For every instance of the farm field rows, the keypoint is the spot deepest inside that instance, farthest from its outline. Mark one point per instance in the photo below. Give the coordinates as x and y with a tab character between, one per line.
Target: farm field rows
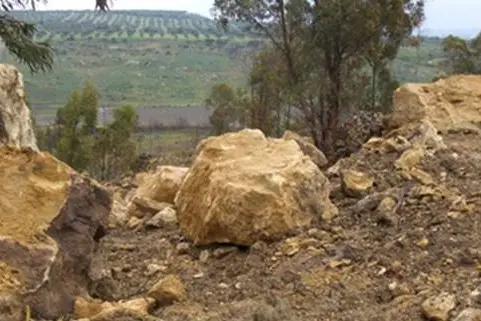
159	58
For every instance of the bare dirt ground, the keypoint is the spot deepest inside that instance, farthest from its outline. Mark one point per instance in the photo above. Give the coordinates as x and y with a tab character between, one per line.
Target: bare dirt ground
361	266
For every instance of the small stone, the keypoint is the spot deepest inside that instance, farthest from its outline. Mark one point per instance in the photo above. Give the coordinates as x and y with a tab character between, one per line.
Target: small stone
154	268
134	222
423	177
317	234
198	275
409	159
475	296
392	286
423	243
183	248
166	218
356	184
204	256
386	210
238	285
469	314
223	285
438	308
258	247
223	251
168	290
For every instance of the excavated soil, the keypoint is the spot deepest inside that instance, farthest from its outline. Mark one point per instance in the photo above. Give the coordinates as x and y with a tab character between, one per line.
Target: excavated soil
360	266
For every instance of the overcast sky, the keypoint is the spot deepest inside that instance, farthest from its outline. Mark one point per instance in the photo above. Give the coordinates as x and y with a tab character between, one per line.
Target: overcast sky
440	14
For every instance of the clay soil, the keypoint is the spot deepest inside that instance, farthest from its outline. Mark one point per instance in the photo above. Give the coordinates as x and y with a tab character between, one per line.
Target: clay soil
360	266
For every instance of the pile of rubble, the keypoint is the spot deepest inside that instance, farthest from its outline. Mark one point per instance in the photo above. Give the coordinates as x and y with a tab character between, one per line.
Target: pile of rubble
260	228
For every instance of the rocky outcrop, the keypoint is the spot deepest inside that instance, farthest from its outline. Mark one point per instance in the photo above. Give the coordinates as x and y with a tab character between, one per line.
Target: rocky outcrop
244	187
450	103
15	122
50	220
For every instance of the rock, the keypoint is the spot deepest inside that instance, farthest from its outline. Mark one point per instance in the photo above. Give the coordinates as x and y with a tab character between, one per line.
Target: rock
118	214
84	308
97	310
438	308
421	176
163	184
445	103
469	314
15	123
243	187
182	248
168	290
142	206
224	251
167	218
387	145
258	310
154	268
356	184
335	169
51	218
409	159
204	256
308	148
386	210
428	137
134	222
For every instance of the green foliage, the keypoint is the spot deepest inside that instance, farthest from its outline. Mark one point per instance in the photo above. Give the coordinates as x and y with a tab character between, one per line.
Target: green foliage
325	46
114	147
18	35
156	70
463	57
267	106
222	100
105	152
77	122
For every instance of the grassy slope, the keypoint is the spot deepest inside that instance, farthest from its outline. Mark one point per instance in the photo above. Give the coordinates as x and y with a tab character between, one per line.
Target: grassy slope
157	58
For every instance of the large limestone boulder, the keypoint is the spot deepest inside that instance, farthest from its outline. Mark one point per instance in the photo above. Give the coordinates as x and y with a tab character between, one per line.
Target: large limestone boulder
243	187
15	122
447	103
50	220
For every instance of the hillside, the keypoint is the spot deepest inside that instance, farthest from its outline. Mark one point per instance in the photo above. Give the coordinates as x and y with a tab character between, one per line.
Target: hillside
158	58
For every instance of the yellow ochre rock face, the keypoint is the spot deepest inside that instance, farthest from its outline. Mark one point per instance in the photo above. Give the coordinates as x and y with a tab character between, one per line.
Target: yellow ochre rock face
446	103
244	187
33	188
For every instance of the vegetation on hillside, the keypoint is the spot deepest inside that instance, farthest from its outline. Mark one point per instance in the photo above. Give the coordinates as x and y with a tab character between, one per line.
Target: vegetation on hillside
172	67
18	35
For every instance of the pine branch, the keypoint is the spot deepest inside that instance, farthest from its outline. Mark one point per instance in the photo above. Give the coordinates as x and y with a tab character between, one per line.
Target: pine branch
18	37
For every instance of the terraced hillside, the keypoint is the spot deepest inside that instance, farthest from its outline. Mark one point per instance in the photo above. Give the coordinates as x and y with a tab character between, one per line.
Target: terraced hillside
158	58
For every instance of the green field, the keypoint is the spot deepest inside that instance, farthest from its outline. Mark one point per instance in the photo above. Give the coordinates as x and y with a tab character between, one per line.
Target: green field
158	58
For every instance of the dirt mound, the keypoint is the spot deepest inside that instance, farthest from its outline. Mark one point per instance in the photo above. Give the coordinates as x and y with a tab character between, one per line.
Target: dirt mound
364	265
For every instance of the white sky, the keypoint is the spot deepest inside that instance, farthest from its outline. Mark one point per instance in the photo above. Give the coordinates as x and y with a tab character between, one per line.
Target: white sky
440	14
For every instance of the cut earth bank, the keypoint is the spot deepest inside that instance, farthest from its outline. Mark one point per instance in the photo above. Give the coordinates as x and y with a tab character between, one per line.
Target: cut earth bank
256	228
